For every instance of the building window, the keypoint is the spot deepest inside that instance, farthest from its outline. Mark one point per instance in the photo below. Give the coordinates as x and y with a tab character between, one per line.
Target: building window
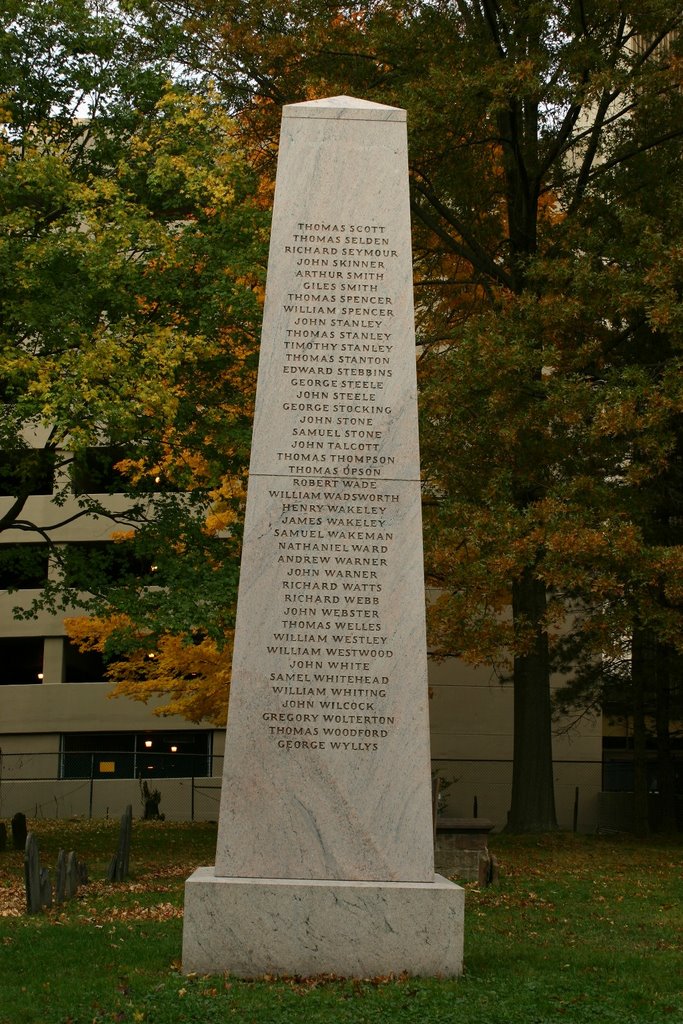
106	755
21	660
93	470
23	566
83	666
149	755
26	471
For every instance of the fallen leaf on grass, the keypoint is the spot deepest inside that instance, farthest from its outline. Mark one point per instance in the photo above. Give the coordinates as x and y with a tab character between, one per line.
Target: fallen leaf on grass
137	912
13	901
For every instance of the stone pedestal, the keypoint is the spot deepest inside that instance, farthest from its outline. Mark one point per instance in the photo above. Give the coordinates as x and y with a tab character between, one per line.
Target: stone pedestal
281	926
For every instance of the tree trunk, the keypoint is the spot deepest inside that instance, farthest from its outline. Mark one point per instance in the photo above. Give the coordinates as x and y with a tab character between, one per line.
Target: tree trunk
666	774
533	797
640	663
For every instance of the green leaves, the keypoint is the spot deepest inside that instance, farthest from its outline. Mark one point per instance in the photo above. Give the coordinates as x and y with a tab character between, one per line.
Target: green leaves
132	255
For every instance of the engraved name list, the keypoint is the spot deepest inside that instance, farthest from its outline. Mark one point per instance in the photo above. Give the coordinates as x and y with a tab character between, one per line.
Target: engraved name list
329	659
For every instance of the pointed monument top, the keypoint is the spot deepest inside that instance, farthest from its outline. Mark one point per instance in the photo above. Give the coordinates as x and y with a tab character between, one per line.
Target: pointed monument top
345	108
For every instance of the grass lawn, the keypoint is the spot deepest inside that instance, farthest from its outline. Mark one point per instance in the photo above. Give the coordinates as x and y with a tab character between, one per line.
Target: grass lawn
580	930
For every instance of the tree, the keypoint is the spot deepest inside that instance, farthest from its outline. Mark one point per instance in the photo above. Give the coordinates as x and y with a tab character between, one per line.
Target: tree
529	124
131	266
536	135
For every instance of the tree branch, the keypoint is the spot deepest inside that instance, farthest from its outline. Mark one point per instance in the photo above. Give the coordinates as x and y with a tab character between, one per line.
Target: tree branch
472	251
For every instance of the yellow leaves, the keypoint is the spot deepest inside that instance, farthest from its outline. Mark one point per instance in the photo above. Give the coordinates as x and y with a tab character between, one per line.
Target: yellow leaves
134	470
194	677
582	542
91	634
100	189
220	522
122	536
189	149
139	147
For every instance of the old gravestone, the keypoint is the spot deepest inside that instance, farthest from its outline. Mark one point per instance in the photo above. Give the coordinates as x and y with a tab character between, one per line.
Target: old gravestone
60	877
120	862
324	861
69	874
19	831
37	878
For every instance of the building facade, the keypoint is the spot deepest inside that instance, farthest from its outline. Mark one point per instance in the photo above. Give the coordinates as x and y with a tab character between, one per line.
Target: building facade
67	749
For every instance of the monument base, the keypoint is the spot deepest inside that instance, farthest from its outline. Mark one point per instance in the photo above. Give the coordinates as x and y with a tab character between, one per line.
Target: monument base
249	927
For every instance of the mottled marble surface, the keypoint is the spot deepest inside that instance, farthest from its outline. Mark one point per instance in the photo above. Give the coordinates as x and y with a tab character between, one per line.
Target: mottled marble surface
325	860
318	784
327	767
250	927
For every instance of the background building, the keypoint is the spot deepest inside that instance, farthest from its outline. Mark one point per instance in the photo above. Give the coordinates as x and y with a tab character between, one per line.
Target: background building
67	749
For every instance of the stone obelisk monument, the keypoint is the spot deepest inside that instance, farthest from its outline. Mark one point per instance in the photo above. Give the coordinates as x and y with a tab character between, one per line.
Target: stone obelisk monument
324	861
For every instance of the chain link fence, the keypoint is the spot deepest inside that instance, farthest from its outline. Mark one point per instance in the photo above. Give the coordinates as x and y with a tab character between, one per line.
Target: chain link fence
482	789
54	784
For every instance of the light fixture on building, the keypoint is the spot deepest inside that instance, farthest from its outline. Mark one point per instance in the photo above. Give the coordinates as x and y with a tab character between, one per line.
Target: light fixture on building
41	676
148	743
174	750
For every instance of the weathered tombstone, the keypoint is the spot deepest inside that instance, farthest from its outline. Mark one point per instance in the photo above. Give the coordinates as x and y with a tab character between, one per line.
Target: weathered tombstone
70	872
60	877
45	888
118	866
82	872
325	860
32	875
19	831
3	837
151	798
111	870
71	879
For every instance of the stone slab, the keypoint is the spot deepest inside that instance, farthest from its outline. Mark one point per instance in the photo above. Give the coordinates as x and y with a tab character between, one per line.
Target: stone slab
252	927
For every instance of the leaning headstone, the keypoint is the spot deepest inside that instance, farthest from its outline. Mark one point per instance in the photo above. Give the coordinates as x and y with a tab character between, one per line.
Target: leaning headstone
32	875
69	874
45	888
325	859
60	877
119	864
71	880
19	831
82	872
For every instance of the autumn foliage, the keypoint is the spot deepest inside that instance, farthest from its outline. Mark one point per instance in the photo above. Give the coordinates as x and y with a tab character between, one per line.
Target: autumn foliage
546	193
